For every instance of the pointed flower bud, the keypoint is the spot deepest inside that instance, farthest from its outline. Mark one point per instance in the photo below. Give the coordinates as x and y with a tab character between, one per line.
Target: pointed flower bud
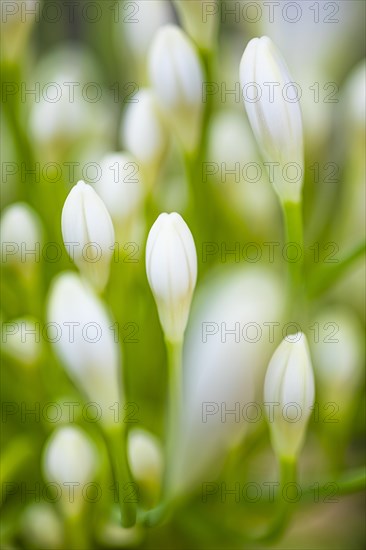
85	343
88	233
120	186
20	230
177	77
200	20
70	456
289	395
272	105
171	266
143	133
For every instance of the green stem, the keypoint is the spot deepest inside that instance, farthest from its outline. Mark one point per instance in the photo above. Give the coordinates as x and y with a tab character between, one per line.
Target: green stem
294	234
287	476
157	515
174	358
325	277
76	536
118	456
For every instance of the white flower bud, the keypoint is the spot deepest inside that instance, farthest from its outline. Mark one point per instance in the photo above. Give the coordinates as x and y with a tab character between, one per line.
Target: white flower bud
143	133
120	186
20	238
85	343
171	267
227	348
21	340
200	20
177	77
88	233
74	113
289	394
145	456
70	456
337	351
274	113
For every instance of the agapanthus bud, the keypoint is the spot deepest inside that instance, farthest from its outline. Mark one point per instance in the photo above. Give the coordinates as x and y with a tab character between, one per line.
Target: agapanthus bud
22	341
70	456
66	118
289	395
272	105
20	230
120	186
177	77
145	457
88	233
200	20
337	351
171	267
143	133
227	348
85	343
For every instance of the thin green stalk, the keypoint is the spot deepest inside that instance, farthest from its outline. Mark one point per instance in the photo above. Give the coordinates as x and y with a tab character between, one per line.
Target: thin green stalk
76	535
294	255
288	476
155	516
174	357
117	448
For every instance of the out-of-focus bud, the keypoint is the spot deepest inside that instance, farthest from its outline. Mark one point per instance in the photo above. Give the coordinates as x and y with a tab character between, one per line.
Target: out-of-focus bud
70	456
17	20
351	136
245	188
171	267
274	114
228	344
21	239
337	351
289	395
86	346
21	340
177	77
72	114
146	459
147	18
200	20
143	134
120	188
88	233
112	535
41	525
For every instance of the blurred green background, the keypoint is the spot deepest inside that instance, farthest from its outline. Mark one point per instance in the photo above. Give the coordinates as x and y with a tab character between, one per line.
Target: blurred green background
38	50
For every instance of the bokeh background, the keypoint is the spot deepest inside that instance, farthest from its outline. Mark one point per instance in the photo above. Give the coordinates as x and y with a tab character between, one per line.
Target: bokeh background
46	147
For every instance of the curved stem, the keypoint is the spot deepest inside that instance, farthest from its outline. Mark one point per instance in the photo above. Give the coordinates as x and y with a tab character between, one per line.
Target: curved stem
116	445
